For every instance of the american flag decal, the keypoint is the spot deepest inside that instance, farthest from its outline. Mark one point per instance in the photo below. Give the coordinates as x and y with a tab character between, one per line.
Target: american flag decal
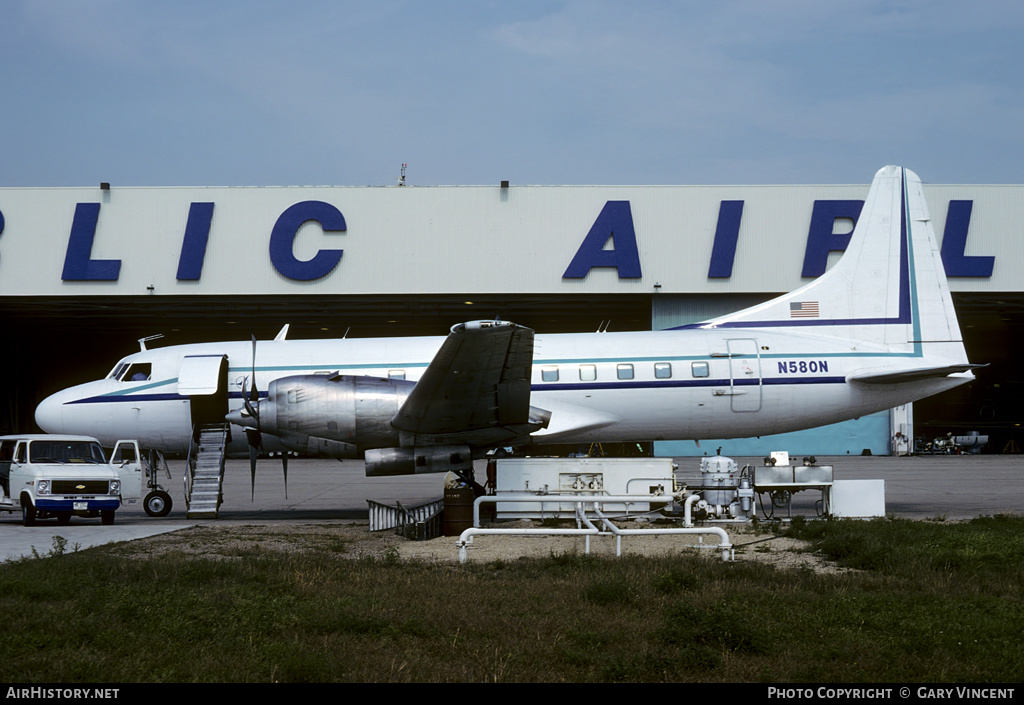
804	309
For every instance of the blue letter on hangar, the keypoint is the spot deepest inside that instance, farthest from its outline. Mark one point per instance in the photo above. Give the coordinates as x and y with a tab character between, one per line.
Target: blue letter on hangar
79	265
78	262
282	240
821	239
615	222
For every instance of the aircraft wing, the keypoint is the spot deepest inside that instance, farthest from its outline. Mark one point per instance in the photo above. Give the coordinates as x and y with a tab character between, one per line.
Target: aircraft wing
901	376
476	388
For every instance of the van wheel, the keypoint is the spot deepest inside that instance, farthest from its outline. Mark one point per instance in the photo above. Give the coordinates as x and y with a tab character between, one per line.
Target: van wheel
157	504
107	517
28	513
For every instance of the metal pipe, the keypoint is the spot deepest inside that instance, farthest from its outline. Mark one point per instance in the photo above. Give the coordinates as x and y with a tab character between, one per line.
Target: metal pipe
724	544
688	509
550	497
660	480
466	538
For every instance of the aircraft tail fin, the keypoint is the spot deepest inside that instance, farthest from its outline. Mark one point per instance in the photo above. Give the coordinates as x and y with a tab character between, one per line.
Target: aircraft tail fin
888	289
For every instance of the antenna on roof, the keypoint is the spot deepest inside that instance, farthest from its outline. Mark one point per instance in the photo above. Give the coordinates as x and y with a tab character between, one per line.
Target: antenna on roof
142	341
401	178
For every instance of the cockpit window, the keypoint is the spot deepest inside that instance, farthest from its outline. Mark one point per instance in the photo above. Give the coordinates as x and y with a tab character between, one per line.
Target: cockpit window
137	372
117	371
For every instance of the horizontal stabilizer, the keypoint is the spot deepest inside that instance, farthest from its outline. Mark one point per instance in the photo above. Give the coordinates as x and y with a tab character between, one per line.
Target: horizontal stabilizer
912	375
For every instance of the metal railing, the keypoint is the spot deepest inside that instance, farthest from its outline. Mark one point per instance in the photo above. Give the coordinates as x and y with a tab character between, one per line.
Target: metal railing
190	469
419	523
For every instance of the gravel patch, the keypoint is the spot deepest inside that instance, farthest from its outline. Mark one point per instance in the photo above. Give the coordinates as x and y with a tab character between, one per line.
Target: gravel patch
238	540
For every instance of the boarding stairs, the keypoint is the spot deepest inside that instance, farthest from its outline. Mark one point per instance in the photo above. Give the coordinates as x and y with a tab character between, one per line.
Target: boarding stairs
205	472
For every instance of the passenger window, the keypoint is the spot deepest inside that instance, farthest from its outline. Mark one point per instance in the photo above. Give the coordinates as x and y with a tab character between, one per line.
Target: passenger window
396	374
588	373
700	369
549	374
625	371
662	370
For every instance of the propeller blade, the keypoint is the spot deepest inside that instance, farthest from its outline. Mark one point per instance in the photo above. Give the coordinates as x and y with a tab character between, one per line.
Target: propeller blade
252	472
250	409
254	392
255	439
284	466
251	399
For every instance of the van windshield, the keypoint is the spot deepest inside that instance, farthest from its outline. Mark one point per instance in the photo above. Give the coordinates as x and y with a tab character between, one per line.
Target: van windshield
65	452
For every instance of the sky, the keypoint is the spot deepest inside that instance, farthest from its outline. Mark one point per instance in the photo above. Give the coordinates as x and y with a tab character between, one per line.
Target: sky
467	92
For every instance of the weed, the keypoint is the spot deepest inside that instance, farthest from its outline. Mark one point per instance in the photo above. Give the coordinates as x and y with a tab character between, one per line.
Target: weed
676	580
722	627
938	601
605	593
583	561
59	546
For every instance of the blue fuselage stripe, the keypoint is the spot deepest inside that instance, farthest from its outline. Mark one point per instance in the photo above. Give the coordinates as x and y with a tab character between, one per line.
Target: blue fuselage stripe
677	384
542	387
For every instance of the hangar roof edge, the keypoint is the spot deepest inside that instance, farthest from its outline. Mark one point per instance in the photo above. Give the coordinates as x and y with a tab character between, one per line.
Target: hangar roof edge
478	186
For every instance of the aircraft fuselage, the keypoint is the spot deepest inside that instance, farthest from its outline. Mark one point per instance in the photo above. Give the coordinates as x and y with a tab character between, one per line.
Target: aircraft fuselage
608	387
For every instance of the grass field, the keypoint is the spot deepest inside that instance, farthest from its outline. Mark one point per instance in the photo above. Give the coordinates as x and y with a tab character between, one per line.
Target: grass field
923	602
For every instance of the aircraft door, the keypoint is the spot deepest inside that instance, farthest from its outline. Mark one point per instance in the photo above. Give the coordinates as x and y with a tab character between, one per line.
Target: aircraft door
744	374
204	380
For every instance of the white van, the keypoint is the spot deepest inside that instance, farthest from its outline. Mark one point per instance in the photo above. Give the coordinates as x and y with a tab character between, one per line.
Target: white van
50	476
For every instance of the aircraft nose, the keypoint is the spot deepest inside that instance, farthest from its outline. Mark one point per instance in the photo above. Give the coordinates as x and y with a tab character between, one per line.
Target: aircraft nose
50	413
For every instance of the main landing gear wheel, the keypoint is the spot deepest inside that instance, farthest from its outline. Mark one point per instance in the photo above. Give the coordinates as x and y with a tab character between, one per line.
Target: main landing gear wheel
157	504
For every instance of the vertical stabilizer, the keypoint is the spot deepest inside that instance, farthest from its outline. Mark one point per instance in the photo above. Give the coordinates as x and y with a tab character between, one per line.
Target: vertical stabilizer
889	288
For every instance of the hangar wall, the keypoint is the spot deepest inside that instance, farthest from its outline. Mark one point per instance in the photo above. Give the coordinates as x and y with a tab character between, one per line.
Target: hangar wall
436	240
177	255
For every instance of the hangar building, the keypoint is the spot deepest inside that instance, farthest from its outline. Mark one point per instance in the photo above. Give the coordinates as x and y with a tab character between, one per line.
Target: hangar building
87	272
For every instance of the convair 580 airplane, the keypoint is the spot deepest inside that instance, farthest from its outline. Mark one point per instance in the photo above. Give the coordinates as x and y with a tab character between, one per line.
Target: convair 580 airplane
876	331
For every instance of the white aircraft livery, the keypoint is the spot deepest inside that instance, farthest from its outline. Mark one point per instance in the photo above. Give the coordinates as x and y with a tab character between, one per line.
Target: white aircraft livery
875	331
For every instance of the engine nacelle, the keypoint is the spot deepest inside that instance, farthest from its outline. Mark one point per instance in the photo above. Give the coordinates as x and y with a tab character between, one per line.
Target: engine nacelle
320	447
335	416
382	462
